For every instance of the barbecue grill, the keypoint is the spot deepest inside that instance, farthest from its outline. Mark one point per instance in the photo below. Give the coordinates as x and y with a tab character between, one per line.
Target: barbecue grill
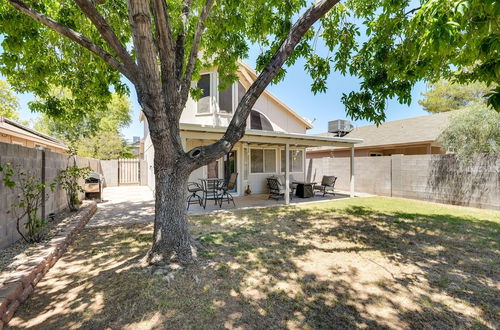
93	186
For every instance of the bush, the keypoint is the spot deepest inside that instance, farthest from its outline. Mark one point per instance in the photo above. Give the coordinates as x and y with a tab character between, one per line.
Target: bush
30	195
68	179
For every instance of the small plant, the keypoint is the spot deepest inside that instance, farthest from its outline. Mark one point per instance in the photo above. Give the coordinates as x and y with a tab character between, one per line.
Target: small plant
30	196
68	179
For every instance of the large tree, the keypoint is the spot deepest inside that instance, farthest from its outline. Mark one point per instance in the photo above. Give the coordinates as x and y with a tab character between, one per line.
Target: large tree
444	95
69	119
9	104
161	45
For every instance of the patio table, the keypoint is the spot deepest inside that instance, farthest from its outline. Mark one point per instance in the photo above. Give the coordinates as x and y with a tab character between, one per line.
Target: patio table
211	188
304	189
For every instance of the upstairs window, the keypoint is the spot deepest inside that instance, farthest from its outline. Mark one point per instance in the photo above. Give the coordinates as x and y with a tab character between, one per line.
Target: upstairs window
204	101
226	100
259	121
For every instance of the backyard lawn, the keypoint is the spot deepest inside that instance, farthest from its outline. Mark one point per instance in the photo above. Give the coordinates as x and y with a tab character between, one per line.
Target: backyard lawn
365	262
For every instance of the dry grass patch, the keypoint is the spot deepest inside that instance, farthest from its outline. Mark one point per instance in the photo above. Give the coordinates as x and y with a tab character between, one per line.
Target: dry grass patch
366	262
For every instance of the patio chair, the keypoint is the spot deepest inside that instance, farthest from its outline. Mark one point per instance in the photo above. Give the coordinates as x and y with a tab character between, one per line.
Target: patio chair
276	189
229	185
210	189
327	185
194	198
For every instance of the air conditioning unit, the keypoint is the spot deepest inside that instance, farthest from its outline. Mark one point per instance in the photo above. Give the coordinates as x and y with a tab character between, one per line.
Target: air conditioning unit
339	127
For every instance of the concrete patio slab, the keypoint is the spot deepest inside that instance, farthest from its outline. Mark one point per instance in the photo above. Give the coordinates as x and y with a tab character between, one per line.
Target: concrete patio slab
134	204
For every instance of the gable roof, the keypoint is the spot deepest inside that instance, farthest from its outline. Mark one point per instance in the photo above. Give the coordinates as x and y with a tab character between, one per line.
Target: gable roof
250	75
13	128
412	130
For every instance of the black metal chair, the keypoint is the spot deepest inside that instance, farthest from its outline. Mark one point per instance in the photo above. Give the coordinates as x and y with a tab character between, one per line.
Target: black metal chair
327	185
276	189
210	190
194	198
226	187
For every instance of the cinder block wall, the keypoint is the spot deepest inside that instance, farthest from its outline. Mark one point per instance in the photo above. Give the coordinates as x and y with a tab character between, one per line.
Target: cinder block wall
110	172
46	166
438	178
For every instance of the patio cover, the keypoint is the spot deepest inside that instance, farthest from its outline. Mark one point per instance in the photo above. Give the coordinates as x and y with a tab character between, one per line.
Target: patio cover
205	132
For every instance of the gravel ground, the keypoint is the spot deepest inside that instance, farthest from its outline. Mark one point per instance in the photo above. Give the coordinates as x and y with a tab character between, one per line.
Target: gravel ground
14	255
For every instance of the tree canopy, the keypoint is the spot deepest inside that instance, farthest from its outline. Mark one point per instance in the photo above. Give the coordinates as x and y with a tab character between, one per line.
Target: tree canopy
160	46
444	96
472	130
93	134
9	104
406	41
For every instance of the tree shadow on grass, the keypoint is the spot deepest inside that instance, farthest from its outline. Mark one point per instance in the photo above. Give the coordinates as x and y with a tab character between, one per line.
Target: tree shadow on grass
282	268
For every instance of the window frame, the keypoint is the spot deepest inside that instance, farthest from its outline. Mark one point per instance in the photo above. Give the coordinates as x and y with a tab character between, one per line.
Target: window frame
210	95
263	161
282	160
233	99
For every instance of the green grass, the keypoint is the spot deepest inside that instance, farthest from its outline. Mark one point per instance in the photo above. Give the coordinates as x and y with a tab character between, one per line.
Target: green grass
365	262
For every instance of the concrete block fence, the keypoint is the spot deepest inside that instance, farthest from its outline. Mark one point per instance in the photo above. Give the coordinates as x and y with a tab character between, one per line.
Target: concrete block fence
22	282
46	165
436	178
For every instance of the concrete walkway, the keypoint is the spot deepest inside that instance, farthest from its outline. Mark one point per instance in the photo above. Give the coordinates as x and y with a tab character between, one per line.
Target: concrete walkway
135	204
124	205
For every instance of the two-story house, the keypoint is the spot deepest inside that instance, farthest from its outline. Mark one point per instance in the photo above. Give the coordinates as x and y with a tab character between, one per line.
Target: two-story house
273	127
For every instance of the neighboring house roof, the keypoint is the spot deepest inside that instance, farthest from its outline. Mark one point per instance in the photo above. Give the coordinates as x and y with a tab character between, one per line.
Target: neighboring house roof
250	75
405	131
8	126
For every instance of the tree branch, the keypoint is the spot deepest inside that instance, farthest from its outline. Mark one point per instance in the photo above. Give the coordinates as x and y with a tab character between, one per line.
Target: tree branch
108	34
236	129
149	88
193	54
181	40
73	35
165	42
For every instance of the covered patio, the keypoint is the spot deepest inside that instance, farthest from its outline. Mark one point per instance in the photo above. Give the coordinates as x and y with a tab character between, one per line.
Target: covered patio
135	204
260	201
262	154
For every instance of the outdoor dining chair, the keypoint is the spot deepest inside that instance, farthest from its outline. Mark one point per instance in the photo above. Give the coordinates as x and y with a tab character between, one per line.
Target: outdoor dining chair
194	198
226	187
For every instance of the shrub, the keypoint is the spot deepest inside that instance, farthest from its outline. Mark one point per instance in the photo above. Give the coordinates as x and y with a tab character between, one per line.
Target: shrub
30	196
68	179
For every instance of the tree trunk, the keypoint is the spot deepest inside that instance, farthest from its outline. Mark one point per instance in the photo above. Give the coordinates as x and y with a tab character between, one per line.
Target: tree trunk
171	236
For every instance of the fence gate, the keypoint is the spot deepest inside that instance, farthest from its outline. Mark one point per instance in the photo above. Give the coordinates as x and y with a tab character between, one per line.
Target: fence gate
129	171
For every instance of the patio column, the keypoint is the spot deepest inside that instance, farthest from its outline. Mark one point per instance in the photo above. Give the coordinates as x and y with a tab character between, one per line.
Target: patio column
352	171
287	174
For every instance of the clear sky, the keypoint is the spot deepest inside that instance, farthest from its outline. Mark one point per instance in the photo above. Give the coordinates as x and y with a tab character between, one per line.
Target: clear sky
295	92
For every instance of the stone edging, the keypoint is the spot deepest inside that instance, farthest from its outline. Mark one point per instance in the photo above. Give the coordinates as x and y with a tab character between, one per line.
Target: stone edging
17	289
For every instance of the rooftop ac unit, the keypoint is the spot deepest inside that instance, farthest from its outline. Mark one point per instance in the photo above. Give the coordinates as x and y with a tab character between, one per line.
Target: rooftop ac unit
339	127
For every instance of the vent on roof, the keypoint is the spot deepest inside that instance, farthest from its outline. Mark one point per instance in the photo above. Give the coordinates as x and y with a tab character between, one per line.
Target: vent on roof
339	127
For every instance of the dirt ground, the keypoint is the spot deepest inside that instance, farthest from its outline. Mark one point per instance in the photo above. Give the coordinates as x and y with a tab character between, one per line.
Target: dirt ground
358	263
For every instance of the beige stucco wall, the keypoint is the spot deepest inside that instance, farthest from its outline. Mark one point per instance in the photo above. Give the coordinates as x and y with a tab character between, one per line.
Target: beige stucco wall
280	117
